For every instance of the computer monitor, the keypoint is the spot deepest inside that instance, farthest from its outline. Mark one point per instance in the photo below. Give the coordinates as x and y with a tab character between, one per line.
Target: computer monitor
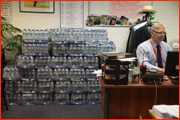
172	63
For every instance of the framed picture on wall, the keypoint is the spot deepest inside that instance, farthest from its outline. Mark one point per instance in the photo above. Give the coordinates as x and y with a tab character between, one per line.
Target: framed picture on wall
37	6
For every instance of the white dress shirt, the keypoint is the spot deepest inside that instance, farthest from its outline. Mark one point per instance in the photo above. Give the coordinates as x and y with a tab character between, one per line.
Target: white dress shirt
146	53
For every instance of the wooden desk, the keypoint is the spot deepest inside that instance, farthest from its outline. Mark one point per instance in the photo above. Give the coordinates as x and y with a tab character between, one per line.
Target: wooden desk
130	101
152	114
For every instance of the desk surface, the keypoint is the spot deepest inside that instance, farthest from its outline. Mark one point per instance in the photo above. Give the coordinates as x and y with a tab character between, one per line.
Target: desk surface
166	84
152	114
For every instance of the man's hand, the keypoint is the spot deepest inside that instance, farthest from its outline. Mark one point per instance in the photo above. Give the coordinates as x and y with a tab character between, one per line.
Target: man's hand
161	70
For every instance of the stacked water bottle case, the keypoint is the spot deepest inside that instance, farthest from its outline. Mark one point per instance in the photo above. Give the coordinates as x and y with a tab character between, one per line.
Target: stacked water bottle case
64	76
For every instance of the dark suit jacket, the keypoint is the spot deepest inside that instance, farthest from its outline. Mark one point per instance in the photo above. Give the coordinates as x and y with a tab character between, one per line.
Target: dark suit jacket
139	36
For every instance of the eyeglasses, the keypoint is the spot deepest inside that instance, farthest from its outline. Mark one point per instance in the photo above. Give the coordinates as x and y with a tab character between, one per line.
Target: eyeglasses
160	33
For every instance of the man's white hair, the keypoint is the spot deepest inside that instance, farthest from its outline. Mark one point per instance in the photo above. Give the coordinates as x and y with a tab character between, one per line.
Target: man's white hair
155	26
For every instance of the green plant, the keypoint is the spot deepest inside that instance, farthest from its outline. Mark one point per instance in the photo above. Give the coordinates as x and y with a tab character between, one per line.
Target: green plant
11	37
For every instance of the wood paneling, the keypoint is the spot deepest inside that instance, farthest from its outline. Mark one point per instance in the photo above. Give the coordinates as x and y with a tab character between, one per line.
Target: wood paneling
128	101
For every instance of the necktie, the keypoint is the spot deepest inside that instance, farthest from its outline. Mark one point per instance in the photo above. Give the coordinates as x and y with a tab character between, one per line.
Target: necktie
159	57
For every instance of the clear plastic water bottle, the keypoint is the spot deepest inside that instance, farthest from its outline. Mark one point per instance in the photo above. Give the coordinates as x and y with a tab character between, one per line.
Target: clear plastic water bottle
114	48
108	48
57	87
24	34
55	73
87	73
45	32
5	72
50	34
50	73
56	38
103	48
94	49
89	36
64	61
33	34
46	48
105	35
36	34
28	32
86	48
85	35
98	48
74	35
11	72
26	48
82	35
53	35
65	35
41	34
42	48
16	72
90	48
66	73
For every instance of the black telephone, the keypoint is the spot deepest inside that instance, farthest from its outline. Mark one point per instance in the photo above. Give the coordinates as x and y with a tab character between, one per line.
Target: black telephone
151	78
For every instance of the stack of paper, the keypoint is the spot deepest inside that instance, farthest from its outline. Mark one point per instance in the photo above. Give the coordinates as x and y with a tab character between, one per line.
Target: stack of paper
128	59
166	111
98	72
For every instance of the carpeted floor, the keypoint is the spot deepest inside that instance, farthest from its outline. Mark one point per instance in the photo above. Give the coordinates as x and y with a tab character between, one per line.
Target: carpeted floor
52	112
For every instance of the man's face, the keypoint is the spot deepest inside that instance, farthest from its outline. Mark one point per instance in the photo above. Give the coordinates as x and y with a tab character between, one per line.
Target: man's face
158	35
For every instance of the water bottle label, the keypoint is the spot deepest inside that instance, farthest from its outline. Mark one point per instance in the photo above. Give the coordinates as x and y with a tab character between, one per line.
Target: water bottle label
82	79
91	55
75	54
30	54
11	103
26	79
91	79
60	42
8	91
28	41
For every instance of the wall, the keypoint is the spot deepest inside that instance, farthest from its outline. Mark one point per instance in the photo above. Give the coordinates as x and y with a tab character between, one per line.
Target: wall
167	14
